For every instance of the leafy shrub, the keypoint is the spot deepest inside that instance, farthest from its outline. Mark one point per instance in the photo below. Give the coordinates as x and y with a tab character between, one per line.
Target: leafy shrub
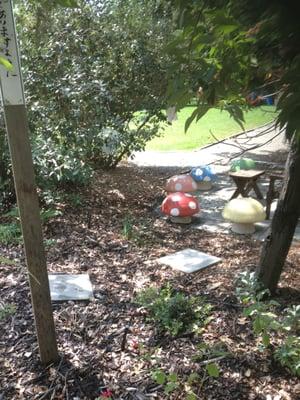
58	166
95	85
94	81
173	311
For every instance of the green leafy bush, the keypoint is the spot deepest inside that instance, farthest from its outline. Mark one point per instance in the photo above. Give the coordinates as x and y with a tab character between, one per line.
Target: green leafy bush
94	80
174	312
58	166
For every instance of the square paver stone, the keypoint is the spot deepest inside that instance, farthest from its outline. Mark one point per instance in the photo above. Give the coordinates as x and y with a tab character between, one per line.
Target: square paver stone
70	287
189	260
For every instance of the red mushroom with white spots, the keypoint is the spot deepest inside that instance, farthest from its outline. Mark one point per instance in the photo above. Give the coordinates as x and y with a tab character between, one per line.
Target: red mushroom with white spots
180	207
181	183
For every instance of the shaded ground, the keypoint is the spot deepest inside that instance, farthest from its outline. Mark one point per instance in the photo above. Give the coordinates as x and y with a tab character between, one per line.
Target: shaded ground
108	343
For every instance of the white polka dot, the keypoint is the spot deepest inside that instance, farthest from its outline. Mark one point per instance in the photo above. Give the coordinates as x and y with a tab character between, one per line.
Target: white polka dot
188	195
199	172
176	198
194	184
192	205
207	179
178	186
174	212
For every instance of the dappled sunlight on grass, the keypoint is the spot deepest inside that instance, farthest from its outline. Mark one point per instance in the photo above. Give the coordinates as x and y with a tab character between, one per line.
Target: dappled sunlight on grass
215	125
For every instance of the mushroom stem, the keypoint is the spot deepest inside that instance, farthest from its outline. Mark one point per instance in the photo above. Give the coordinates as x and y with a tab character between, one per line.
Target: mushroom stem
181	220
204	185
242	228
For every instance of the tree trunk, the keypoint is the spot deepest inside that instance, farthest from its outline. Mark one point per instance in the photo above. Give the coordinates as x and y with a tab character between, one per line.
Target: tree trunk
277	245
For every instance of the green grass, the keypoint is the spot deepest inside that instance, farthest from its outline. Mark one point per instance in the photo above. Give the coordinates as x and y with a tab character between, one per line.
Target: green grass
10	233
199	135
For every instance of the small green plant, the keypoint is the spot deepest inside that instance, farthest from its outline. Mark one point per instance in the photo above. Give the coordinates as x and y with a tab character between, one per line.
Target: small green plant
291	321
6	310
174	312
207	352
10	233
251	294
268	322
10	230
247	287
75	199
127	229
186	384
169	381
47	214
7	261
49	243
288	354
135	230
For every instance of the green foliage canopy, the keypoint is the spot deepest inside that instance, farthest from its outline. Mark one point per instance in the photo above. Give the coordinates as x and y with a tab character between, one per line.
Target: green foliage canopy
231	47
94	80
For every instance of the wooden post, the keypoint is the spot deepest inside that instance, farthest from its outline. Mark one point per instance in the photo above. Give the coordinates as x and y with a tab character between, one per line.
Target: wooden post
17	130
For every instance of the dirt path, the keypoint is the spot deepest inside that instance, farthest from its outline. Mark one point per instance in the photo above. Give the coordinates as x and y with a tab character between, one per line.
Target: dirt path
264	144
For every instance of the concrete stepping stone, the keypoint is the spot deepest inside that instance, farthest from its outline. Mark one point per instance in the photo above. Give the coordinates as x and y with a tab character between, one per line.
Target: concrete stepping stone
70	287
188	260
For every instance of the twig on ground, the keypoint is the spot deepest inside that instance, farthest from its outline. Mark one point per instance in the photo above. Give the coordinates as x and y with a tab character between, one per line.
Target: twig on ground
212	360
125	333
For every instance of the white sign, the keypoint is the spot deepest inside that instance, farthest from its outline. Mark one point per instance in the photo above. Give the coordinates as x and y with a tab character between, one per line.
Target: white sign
11	81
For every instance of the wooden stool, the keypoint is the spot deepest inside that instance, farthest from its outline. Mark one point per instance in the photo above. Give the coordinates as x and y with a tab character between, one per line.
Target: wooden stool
272	193
245	181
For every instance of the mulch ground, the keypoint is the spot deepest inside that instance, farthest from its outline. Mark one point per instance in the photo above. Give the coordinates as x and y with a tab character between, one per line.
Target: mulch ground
108	342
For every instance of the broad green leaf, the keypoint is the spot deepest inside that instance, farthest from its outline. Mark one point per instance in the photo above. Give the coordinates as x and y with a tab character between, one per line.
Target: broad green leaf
191	396
190	120
8	65
257	325
193	377
159	377
213	370
172	377
226	29
170	387
266	339
202	110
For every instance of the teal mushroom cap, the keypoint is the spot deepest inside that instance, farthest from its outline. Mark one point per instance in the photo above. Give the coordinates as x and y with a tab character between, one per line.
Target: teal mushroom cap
242	163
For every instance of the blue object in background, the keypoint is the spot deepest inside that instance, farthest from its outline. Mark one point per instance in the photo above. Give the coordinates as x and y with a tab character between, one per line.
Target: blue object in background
203	174
269	100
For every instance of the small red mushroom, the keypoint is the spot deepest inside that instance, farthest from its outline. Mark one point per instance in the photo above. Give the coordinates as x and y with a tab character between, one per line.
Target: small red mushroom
180	207
181	183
